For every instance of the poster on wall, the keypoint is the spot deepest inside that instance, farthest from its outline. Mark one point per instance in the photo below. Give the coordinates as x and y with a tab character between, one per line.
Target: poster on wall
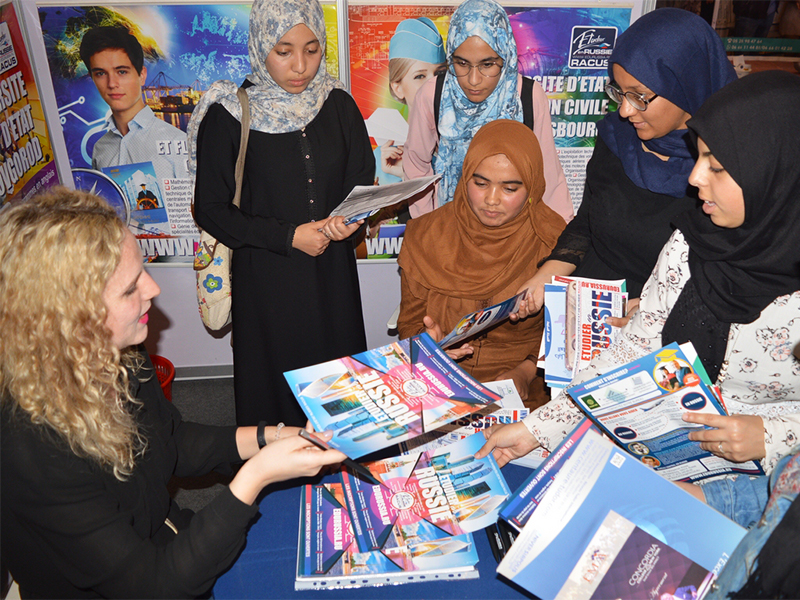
27	164
565	48
186	48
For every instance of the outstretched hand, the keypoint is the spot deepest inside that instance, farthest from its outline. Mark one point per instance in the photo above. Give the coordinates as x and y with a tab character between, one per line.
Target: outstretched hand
287	458
507	442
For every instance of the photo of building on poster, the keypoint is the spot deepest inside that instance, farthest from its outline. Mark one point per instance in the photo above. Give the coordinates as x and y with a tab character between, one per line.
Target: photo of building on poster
27	164
186	48
564	48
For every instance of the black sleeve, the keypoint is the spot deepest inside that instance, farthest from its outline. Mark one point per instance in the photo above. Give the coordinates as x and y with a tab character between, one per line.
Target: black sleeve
361	160
576	239
215	187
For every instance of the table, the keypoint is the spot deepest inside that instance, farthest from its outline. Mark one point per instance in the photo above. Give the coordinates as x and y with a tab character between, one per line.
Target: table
266	567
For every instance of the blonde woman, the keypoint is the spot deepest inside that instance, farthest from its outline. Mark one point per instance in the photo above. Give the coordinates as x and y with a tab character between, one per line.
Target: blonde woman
89	442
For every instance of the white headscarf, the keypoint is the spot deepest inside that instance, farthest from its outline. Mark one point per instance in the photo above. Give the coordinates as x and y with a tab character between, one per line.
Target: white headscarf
272	109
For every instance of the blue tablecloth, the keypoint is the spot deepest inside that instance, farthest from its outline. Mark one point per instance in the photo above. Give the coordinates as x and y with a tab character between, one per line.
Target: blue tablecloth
266	568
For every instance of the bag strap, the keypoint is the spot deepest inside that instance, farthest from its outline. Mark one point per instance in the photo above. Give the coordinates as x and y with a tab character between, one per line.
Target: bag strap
527	102
239	173
437	99
526	95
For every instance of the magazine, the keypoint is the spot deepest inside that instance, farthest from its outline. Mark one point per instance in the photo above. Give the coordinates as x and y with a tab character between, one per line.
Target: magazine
385	396
575	309
519	506
589	303
554	338
445	492
475	322
328	556
366	200
509	409
605	514
640	406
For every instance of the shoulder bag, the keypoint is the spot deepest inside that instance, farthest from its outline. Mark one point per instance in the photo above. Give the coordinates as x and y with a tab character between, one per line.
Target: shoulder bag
212	260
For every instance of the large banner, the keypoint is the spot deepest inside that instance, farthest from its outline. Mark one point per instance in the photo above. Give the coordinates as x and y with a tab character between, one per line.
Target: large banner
27	163
186	48
565	48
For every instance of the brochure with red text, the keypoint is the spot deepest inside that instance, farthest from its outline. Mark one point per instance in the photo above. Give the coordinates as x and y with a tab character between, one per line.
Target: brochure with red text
444	492
328	556
387	395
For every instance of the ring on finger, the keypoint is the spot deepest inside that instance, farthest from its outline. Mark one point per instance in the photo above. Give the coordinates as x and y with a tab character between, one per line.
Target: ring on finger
719	447
325	233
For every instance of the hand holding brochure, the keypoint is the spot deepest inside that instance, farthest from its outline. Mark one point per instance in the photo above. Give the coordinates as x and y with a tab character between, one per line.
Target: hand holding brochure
640	406
365	200
484	318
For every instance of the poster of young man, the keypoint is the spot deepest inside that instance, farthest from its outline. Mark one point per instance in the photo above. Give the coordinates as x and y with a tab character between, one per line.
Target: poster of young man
27	164
127	78
565	48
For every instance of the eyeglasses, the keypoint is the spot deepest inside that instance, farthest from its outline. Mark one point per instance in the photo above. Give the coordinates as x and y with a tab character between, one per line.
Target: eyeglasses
462	68
637	101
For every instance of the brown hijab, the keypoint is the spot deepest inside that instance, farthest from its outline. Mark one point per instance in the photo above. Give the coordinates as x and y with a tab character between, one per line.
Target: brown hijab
455	254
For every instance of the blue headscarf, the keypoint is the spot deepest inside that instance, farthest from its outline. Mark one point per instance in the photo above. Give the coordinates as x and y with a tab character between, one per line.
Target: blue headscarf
680	57
272	109
459	117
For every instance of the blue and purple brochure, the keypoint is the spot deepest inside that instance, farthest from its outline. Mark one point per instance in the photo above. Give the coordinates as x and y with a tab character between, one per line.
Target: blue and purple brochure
560	541
328	557
520	505
444	492
387	395
640	406
475	322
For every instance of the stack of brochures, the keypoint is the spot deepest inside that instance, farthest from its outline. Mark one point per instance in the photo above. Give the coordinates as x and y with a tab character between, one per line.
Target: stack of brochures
574	324
412	521
597	523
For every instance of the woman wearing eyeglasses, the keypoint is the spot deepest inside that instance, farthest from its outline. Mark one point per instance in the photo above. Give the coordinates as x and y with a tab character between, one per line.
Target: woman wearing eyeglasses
663	68
482	84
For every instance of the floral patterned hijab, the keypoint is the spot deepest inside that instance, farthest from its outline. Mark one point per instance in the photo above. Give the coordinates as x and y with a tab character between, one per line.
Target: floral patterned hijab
459	117
272	109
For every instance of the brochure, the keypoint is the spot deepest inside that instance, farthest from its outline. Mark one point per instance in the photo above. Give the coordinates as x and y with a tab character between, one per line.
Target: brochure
594	521
446	492
554	339
589	303
640	406
519	506
475	322
366	200
328	557
384	396
575	309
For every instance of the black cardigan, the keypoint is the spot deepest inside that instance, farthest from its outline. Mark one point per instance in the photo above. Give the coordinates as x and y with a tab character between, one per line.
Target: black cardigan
72	530
620	228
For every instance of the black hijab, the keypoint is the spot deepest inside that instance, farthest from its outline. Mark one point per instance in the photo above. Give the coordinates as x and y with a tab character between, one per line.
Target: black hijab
752	127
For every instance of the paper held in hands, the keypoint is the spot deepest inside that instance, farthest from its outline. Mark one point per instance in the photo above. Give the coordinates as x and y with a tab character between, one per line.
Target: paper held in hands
365	200
476	322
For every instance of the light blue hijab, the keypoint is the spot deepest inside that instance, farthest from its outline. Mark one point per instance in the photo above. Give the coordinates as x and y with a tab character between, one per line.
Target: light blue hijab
459	117
272	109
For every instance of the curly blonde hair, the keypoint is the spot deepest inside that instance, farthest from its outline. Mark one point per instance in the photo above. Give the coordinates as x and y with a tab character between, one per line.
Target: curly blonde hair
58	365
